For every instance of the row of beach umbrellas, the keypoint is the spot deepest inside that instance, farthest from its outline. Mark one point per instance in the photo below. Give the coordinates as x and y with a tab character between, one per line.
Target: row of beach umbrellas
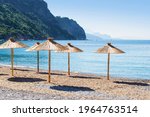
51	45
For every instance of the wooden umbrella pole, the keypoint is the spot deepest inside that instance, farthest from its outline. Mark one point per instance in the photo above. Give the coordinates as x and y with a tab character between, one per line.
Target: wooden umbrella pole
108	66
68	63
49	66
12	61
37	61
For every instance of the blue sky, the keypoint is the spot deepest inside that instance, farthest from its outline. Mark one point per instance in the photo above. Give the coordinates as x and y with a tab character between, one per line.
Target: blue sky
128	19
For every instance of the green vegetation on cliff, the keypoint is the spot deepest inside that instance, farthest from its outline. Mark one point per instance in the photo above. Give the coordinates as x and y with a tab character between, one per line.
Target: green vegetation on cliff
13	23
31	19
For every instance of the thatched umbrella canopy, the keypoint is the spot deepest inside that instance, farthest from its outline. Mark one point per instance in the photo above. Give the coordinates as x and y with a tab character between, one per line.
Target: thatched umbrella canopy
71	49
33	48
109	49
50	45
11	44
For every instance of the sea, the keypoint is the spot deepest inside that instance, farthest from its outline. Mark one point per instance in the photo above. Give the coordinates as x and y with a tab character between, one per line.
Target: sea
133	64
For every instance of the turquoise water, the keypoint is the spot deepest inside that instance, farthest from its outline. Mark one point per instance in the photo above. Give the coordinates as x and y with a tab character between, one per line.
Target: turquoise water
135	63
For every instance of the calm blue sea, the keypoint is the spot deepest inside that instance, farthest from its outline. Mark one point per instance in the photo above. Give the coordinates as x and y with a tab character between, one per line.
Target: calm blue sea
135	63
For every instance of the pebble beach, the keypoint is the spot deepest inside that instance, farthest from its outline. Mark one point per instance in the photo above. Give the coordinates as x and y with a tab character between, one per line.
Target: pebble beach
29	85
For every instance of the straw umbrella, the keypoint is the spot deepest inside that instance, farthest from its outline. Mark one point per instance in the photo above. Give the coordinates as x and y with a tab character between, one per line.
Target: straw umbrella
71	49
12	44
109	49
49	46
33	48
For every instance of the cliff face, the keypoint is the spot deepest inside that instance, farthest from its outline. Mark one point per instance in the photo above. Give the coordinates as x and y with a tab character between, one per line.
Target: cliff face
36	16
72	27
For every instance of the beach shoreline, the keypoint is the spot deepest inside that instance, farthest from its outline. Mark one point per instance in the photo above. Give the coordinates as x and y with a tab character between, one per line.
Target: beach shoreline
79	73
31	85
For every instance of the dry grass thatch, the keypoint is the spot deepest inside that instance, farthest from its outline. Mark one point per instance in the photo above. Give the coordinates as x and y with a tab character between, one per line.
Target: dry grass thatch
11	43
71	49
109	49
50	45
33	48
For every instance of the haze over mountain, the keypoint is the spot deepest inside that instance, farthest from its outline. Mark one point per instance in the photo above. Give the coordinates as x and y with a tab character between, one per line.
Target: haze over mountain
98	37
31	19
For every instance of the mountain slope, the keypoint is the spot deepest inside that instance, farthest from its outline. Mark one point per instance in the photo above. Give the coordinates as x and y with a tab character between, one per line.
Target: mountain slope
13	23
71	27
35	17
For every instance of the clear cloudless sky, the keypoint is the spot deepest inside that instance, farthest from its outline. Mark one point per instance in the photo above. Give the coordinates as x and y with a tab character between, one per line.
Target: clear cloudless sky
128	19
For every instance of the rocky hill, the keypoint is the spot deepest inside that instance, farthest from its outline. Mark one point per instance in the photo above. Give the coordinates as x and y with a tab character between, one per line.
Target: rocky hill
31	19
72	27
